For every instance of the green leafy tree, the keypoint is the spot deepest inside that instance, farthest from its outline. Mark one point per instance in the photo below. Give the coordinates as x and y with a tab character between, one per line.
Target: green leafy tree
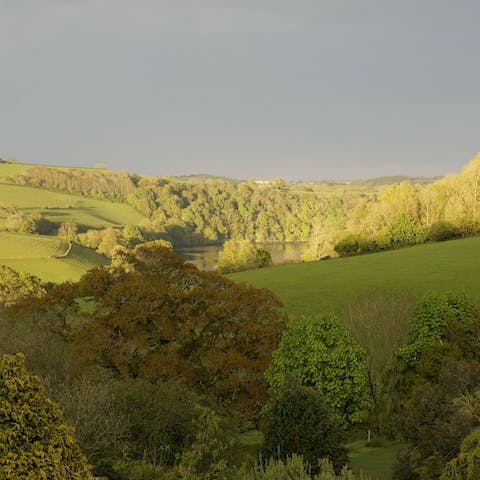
35	442
132	235
429	327
320	352
297	421
441	362
68	230
15	285
241	255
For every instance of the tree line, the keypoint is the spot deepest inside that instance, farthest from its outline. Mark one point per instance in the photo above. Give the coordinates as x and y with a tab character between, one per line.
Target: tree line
335	222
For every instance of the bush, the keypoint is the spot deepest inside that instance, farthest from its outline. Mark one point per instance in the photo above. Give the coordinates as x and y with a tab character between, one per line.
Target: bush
160	419
440	231
348	246
405	231
294	467
298	421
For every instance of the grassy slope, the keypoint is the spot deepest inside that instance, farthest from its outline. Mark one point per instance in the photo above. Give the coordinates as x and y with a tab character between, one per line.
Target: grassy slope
329	285
376	461
17	247
63	207
37	255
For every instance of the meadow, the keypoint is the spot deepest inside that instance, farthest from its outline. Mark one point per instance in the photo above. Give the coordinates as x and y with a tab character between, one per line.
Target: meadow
49	258
64	207
331	285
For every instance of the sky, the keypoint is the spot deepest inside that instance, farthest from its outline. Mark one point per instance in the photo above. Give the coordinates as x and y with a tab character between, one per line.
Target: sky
296	89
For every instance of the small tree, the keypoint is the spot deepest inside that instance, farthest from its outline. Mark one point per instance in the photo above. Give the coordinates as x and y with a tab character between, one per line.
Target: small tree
68	230
15	285
35	442
241	255
298	421
320	352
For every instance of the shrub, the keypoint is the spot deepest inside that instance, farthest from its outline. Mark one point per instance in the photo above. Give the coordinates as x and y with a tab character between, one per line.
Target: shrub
298	421
348	246
440	231
294	467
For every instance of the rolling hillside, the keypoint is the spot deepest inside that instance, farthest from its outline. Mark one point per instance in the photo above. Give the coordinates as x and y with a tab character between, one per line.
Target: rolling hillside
49	258
330	285
65	207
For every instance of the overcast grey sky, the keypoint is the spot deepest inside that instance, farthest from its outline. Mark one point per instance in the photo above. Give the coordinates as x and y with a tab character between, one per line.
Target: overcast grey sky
299	89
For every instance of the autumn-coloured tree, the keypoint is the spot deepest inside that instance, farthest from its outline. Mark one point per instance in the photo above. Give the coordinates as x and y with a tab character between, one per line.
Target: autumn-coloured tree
159	318
35	442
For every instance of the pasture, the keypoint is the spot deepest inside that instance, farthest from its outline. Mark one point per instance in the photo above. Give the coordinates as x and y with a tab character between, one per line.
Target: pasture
63	207
332	285
43	256
16	247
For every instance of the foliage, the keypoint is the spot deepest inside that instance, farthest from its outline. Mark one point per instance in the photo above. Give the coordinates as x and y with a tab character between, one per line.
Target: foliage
204	459
466	466
68	230
320	352
295	468
404	231
441	231
298	421
158	318
348	246
212	211
101	426
35	442
160	419
379	323
15	285
96	183
241	255
430	323
441	363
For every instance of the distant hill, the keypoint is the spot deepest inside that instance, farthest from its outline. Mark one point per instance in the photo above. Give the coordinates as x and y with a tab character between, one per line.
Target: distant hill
204	177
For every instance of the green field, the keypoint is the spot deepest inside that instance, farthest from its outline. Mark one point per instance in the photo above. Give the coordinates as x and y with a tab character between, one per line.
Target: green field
43	256
19	247
314	287
375	461
63	207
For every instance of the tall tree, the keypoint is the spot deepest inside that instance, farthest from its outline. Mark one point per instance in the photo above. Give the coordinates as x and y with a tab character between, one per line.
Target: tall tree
157	317
35	441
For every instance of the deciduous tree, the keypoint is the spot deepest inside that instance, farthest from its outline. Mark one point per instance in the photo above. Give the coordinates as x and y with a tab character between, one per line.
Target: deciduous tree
35	442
